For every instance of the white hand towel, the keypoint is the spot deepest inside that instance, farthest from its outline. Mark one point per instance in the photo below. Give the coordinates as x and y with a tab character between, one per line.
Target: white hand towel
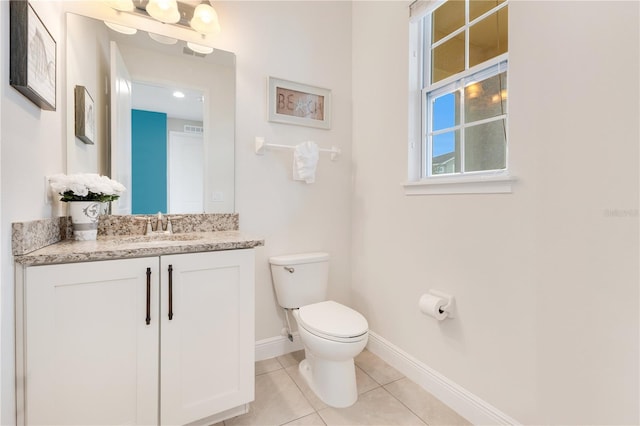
305	160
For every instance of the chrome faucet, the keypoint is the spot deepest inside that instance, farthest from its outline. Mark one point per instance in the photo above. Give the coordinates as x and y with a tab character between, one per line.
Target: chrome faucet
161	229
159	223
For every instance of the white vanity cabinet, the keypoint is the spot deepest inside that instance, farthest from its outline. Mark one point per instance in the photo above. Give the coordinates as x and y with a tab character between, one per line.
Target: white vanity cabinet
88	357
207	343
154	340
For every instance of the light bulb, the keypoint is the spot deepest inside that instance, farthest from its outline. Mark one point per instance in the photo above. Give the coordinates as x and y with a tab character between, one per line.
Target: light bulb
203	12
164	5
205	19
164	11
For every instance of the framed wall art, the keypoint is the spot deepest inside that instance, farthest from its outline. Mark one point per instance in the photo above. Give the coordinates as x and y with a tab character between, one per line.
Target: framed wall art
296	103
85	113
32	69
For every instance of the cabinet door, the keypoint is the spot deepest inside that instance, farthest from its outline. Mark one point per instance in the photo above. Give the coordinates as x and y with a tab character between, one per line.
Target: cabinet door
207	346
90	356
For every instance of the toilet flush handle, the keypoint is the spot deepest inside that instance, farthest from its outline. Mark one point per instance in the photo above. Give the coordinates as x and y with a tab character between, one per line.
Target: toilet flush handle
289	269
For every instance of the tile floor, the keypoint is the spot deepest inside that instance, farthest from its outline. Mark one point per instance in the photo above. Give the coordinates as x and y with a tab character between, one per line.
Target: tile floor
386	397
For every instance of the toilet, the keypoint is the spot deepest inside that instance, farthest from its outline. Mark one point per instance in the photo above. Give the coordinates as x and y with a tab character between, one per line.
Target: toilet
332	334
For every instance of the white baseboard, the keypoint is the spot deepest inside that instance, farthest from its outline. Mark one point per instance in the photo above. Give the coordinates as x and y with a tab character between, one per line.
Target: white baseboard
459	399
277	346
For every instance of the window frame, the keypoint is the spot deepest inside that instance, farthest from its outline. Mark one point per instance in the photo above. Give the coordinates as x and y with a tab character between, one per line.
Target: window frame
421	180
459	85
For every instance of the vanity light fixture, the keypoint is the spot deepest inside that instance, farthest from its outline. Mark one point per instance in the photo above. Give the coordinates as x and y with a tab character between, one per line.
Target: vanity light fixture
198	48
178	94
122	5
164	11
197	15
121	28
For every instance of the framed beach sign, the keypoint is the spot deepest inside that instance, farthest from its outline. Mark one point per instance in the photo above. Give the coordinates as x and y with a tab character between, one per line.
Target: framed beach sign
296	103
85	113
32	68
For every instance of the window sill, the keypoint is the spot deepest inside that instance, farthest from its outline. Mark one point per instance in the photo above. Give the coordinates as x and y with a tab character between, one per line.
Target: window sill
474	184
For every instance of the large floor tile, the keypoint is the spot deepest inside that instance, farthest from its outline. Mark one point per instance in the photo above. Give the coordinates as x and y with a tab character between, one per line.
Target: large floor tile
379	370
267	365
364	384
426	406
292	358
386	397
278	401
310	420
376	407
295	374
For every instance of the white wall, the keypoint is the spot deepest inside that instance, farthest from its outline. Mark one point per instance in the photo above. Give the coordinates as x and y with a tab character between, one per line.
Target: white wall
33	143
546	278
308	42
2	231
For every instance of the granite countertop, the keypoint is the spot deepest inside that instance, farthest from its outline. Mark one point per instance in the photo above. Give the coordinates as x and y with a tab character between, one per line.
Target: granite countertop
123	247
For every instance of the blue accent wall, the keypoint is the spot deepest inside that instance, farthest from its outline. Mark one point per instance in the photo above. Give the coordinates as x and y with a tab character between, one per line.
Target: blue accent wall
148	162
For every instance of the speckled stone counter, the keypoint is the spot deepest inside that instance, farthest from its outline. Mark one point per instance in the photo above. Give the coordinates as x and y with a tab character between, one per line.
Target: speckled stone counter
29	236
123	247
48	241
136	224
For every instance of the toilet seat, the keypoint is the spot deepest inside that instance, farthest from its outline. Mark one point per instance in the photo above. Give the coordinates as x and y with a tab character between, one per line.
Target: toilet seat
333	321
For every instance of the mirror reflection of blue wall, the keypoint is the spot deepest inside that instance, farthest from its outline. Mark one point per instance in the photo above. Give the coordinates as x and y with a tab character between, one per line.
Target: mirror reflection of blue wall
149	162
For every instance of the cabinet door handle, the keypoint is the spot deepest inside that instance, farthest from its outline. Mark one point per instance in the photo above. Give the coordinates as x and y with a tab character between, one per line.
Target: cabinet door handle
148	318
170	292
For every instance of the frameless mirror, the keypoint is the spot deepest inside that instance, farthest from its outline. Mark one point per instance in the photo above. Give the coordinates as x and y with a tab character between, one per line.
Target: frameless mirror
164	118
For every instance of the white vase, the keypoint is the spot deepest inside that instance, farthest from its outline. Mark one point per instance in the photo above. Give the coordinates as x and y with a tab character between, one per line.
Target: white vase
84	218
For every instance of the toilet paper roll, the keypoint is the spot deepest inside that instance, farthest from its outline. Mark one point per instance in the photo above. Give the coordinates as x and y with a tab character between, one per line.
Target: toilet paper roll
432	305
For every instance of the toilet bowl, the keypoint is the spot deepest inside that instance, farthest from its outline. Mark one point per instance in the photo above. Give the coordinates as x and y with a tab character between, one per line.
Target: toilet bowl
328	367
332	334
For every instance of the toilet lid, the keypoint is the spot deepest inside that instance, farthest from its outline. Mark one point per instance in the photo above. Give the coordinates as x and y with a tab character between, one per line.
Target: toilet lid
332	319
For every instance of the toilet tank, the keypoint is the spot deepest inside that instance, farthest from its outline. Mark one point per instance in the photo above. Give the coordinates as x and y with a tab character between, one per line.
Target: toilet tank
300	279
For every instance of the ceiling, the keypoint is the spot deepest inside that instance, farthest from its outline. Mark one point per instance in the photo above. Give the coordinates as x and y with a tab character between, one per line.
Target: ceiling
150	97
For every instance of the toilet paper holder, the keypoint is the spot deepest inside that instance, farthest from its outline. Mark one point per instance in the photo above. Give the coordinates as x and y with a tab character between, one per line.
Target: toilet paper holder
450	306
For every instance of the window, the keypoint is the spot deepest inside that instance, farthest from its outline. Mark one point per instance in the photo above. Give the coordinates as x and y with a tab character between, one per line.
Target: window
462	60
466	124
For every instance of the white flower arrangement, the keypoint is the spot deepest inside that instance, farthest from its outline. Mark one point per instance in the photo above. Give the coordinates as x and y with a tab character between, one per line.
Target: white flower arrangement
86	187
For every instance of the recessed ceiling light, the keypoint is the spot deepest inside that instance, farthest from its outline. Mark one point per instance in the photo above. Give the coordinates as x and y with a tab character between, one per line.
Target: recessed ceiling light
178	94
